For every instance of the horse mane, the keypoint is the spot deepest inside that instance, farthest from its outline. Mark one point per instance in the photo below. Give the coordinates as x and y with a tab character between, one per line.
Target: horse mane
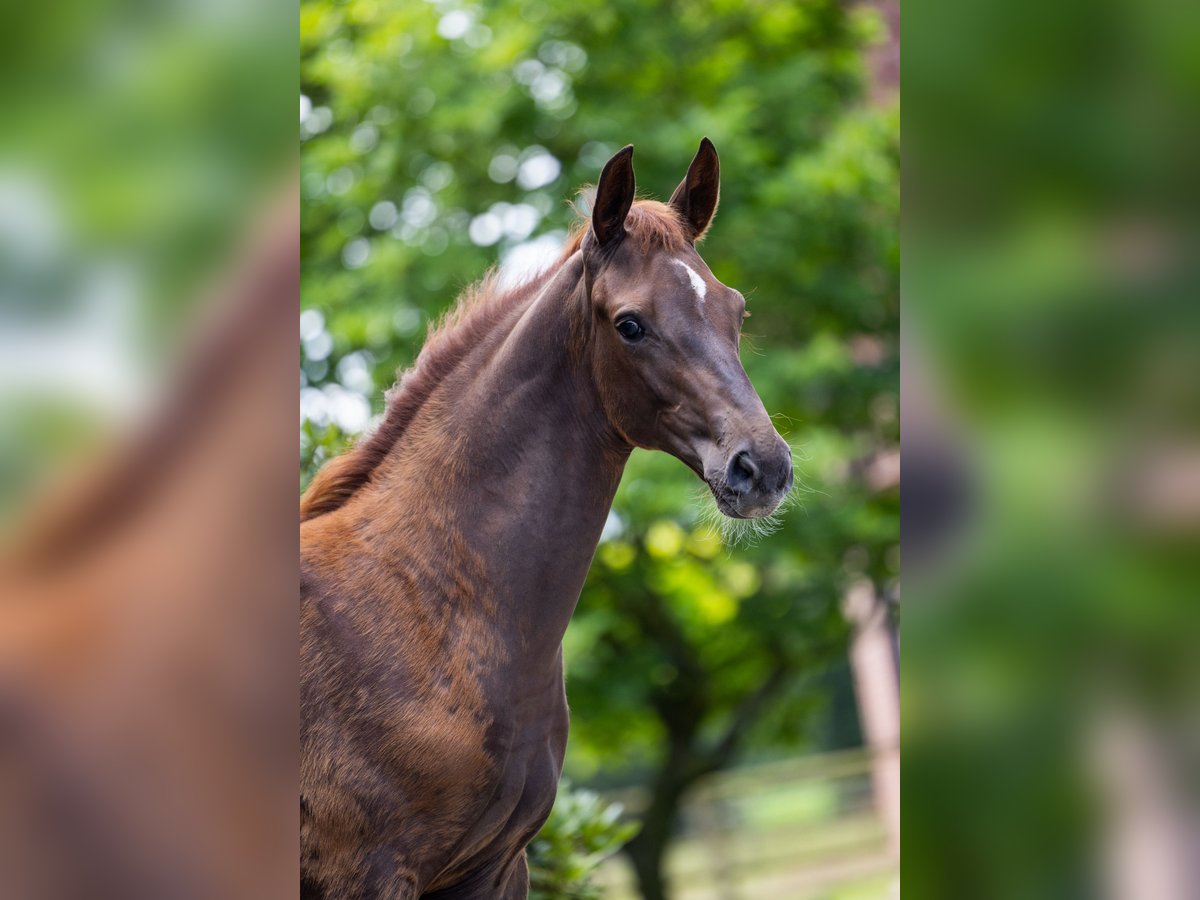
477	310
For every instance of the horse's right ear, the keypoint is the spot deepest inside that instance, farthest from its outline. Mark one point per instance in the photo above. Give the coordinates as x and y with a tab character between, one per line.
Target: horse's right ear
614	196
696	197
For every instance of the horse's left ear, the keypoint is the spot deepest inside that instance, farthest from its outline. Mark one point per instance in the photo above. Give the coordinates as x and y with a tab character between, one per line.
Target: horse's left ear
696	197
614	197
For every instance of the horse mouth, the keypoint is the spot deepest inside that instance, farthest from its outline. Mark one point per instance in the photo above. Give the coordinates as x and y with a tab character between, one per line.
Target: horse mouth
726	507
735	506
726	500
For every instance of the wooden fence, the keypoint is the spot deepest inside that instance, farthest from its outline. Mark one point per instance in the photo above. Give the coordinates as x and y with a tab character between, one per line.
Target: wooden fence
801	829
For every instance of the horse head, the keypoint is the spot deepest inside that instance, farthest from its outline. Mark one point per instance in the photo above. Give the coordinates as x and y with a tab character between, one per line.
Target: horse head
664	339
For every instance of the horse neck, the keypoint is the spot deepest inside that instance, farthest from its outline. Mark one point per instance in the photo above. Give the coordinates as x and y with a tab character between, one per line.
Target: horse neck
497	495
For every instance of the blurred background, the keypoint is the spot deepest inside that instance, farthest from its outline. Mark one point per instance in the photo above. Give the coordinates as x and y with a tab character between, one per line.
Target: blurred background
735	710
141	142
148	298
1052	502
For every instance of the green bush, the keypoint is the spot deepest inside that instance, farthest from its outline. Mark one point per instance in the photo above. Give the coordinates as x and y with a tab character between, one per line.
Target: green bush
582	831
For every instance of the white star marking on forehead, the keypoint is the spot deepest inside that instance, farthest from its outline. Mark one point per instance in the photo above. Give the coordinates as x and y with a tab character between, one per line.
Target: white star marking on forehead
698	284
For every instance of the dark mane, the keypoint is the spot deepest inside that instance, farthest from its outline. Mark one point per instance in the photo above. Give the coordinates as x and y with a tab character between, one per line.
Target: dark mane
650	223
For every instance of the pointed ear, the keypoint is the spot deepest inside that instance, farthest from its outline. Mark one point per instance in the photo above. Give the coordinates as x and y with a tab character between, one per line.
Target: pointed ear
696	197
614	196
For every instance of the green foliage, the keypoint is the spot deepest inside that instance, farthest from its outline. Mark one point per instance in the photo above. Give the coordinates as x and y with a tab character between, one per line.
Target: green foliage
673	624
582	832
317	444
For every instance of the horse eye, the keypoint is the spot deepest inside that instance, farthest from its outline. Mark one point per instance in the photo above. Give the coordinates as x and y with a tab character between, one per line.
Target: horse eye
631	329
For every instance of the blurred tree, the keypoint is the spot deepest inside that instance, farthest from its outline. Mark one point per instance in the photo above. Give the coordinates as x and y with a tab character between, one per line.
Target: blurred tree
683	654
441	138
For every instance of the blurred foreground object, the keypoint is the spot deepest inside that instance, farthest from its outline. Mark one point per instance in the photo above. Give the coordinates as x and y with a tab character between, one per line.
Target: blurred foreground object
1051	429
148	636
147	421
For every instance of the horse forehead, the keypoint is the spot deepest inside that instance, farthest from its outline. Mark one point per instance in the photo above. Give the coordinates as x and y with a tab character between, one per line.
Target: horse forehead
693	278
673	280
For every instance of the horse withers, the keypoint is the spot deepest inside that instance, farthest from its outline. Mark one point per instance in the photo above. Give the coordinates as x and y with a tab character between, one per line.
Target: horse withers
443	556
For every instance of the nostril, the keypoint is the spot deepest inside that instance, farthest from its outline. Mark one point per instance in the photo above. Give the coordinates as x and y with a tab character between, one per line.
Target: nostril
742	472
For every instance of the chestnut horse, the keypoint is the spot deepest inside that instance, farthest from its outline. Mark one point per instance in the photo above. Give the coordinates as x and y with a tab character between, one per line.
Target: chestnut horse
443	556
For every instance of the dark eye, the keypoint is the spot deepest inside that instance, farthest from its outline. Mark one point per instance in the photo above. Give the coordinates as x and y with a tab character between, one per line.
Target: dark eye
631	329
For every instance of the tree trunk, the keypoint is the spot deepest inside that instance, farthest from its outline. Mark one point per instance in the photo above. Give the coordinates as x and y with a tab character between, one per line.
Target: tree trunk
648	847
647	865
682	710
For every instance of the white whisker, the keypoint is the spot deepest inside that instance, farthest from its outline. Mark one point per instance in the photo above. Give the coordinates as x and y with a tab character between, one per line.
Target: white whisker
748	532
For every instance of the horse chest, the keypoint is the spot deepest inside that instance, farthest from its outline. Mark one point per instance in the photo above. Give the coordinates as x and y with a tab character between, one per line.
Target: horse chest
427	750
524	740
521	799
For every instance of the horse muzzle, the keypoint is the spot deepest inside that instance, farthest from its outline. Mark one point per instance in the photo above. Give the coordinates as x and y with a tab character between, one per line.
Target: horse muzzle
754	481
